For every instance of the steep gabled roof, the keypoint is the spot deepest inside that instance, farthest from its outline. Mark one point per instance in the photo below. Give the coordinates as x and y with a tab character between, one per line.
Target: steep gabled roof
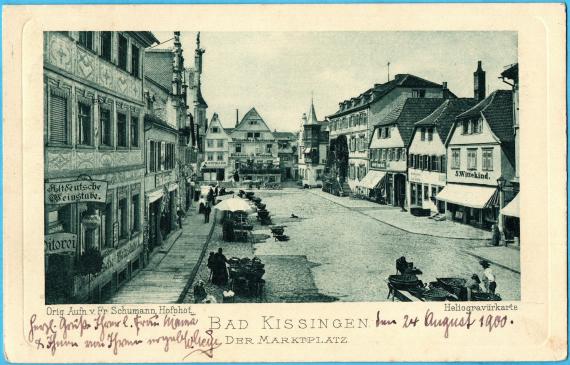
312	117
380	90
251	115
284	135
497	108
158	66
444	116
407	113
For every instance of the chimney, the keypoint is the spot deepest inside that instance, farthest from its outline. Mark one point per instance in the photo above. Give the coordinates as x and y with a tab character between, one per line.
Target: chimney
237	117
444	90
479	83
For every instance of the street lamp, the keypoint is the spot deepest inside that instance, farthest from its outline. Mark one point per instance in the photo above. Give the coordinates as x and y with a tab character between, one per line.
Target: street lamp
501	182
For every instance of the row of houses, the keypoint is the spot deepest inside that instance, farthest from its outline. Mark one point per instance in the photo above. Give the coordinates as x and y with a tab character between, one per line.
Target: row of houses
414	144
131	118
250	151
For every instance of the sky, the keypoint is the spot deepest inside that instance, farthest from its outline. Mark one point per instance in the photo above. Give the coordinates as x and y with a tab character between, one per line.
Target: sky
278	72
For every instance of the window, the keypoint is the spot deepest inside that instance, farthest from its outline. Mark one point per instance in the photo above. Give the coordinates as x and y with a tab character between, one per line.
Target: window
162	156
455	158
430	134
472	159
238	148
418	93
58	125
465	125
388	132
220	143
135	213
434	163
477	126
210	143
413	193
249	134
398	154
383	154
134	131
423	132
85	128
210	157
403	154
256	135
122	52
123	218
442	165
121	130
86	39
220	156
152	157
135	60
215	130
268	148
105	127
426	192
487	159
106	41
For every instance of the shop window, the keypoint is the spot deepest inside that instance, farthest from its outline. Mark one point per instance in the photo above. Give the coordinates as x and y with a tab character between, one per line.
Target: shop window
135	61
210	143
122	52
455	158
220	143
135	213
472	159
134	131
58	118
105	126
487	159
106	45
85	124
413	194
121	130
122	216
86	40
107	225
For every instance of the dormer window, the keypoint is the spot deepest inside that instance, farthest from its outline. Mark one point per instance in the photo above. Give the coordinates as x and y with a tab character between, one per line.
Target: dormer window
418	93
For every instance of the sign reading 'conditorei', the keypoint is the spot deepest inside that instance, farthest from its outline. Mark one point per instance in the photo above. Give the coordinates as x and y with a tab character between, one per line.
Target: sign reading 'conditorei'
75	191
60	243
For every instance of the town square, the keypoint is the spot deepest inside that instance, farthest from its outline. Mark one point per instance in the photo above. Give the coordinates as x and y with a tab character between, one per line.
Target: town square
190	167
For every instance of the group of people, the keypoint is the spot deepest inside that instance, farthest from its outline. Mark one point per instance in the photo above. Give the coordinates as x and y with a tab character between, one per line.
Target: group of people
474	283
213	193
218	276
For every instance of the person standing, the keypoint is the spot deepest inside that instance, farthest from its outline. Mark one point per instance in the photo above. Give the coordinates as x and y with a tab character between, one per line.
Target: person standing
180	214
207	211
488	277
220	276
495	235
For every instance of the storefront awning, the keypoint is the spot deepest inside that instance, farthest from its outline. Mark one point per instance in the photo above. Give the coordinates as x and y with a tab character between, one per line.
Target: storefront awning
470	196
372	179
154	196
512	208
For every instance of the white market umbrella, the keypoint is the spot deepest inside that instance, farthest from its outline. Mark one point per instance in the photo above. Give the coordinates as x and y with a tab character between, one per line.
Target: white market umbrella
233	205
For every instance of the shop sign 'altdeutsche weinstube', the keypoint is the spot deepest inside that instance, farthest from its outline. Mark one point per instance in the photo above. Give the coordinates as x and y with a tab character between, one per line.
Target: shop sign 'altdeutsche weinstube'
60	243
75	191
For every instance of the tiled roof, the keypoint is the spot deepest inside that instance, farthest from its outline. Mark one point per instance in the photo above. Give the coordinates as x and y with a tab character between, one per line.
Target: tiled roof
497	108
284	135
156	121
380	90
228	130
158	66
444	116
409	112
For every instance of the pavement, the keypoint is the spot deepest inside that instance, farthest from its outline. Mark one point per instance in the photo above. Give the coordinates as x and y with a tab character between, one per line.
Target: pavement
172	268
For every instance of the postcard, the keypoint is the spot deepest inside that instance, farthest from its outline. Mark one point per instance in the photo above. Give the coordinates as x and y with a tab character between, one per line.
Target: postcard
284	183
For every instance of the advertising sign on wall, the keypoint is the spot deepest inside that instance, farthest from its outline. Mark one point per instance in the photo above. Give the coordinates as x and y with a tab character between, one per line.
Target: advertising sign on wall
60	243
75	191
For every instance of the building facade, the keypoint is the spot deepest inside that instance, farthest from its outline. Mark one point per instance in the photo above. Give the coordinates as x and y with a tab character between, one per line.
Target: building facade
427	164
351	126
287	147
389	145
215	167
93	131
253	150
313	149
480	152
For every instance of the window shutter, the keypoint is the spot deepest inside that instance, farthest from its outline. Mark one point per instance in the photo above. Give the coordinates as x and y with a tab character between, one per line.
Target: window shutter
58	119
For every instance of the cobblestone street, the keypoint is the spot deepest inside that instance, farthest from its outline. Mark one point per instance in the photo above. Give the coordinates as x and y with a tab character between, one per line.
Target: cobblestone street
340	249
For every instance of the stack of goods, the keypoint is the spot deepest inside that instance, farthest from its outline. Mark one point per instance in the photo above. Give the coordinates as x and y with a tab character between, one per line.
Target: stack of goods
246	275
277	232
264	217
